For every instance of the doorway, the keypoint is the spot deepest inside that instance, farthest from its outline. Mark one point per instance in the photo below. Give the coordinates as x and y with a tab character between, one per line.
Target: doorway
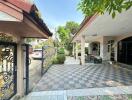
125	51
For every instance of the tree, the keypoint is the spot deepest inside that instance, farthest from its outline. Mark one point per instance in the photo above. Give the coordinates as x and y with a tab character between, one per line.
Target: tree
72	26
64	33
90	7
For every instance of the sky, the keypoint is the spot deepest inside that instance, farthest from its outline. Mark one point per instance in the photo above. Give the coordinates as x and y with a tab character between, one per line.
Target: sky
57	12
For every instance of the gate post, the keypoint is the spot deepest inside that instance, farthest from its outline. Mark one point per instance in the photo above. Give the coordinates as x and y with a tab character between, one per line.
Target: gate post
20	69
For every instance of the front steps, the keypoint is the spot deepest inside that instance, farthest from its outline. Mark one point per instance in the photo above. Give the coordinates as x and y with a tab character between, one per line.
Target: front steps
106	93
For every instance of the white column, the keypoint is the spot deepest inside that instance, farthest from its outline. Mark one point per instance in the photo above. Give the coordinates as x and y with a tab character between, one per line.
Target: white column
104	49
116	50
76	50
90	48
82	50
73	50
20	69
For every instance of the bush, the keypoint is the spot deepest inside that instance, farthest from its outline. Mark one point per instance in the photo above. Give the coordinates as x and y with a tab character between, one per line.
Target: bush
55	61
61	51
59	59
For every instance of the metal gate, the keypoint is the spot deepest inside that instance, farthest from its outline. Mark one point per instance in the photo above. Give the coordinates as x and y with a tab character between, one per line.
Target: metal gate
8	70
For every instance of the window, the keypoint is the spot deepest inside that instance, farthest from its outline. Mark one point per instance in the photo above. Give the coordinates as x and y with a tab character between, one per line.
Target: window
110	45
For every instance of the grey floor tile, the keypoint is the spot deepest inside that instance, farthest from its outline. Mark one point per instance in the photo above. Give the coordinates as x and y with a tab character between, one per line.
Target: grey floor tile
60	77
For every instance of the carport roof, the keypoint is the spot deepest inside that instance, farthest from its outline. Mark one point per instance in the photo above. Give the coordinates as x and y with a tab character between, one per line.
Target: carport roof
87	20
29	11
104	25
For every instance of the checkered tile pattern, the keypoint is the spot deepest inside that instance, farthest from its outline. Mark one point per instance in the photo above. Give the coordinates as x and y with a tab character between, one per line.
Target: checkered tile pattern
63	77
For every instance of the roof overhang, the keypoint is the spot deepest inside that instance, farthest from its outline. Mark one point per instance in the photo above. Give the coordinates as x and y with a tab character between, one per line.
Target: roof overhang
25	29
24	25
21	4
105	25
11	10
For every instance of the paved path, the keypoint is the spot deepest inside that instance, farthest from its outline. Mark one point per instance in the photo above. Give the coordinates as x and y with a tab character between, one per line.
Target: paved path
71	60
90	82
34	73
65	77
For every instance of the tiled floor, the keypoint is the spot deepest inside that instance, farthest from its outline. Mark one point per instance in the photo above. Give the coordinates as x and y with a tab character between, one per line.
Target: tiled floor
107	93
65	77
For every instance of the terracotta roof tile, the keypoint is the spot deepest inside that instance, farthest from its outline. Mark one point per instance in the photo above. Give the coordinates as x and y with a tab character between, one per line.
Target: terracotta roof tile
21	4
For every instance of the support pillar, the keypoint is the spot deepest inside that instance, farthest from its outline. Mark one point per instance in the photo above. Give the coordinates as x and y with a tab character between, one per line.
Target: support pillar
20	69
73	50
76	50
82	50
90	48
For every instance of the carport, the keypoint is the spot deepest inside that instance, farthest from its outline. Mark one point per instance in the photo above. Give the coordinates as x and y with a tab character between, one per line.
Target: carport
18	20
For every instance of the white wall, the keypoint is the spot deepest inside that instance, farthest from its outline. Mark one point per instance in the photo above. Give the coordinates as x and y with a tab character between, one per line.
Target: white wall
103	46
104	54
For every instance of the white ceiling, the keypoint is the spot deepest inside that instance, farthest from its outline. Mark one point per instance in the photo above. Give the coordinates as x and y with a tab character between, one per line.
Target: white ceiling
6	17
104	25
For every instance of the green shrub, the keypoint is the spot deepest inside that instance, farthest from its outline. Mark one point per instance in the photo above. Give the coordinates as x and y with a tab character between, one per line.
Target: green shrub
55	61
61	51
61	58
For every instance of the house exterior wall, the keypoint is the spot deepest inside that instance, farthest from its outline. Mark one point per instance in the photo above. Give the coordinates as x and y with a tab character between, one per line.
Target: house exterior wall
104	54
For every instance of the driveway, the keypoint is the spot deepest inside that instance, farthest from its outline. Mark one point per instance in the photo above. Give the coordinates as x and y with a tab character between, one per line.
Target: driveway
34	73
68	77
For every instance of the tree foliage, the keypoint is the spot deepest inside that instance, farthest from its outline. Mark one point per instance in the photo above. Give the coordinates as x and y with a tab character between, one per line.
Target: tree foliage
65	32
72	26
90	7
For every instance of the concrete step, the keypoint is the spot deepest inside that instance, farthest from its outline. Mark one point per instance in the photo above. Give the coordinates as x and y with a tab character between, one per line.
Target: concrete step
110	93
46	95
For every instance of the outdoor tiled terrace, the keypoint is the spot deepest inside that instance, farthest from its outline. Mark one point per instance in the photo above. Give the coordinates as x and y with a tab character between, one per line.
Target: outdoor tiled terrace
68	77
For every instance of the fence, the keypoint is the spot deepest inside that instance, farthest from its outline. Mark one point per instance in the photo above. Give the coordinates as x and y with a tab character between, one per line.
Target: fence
48	54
